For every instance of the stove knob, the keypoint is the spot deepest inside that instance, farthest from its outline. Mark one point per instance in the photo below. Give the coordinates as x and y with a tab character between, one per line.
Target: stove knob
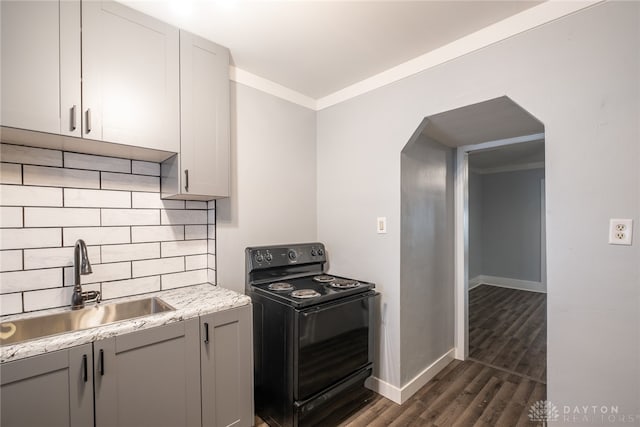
292	255
320	252
268	257
259	258
313	252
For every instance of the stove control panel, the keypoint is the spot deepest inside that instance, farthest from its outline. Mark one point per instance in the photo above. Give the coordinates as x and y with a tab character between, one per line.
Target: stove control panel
278	256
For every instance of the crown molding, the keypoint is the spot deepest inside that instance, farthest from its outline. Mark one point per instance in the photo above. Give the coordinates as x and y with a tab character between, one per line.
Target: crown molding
246	78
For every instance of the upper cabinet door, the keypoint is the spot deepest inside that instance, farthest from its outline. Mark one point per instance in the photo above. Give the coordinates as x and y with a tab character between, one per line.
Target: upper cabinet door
204	103
40	70
130	77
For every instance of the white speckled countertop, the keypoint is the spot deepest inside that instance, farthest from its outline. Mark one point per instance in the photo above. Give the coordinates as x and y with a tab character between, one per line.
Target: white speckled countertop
189	302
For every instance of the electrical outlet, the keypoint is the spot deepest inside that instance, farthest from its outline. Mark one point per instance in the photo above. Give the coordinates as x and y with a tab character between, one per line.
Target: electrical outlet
382	225
620	231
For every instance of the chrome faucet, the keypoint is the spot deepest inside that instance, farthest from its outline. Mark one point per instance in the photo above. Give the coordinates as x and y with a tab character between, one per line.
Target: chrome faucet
81	265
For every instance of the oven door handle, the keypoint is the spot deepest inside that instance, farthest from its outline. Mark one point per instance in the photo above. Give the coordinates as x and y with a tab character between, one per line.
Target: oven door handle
330	306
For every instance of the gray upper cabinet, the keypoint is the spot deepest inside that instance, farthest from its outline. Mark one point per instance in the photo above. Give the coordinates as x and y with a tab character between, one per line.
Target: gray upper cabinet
149	378
201	169
130	77
40	68
227	368
54	389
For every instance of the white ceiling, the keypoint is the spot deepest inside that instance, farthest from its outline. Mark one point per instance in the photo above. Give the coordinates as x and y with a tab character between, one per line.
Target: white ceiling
320	47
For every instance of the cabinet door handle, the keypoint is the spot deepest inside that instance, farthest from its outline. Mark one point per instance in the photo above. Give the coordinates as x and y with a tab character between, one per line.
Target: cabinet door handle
88	120
186	180
73	118
101	362
206	333
85	375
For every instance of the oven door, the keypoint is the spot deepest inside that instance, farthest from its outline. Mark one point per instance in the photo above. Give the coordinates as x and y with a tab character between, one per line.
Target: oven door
333	341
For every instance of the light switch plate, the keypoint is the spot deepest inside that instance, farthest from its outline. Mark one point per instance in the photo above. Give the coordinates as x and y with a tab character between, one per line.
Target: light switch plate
620	231
382	225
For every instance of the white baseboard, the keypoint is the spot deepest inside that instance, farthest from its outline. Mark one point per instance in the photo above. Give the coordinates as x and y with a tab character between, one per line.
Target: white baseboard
475	282
505	282
401	395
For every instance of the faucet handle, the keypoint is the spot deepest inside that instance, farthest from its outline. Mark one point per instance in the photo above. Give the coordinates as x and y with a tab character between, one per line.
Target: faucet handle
92	296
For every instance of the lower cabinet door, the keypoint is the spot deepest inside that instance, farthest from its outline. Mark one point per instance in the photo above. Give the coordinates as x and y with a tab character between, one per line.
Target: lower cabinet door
149	377
227	368
54	389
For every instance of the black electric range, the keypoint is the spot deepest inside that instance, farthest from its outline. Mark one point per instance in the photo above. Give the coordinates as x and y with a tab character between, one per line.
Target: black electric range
313	336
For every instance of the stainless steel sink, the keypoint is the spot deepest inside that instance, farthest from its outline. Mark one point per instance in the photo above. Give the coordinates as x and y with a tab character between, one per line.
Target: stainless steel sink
75	320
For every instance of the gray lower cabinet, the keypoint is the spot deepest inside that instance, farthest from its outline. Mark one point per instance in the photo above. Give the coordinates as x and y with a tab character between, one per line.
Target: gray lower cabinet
149	378
227	368
54	389
196	372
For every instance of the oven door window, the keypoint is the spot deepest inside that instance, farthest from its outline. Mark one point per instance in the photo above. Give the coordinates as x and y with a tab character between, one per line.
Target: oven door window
333	342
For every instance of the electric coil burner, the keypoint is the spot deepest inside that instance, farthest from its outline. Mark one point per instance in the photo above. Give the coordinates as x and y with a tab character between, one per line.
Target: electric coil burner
313	336
344	283
280	286
305	293
323	278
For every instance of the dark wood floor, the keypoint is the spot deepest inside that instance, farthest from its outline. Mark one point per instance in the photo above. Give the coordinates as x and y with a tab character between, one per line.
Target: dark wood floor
508	329
496	387
463	394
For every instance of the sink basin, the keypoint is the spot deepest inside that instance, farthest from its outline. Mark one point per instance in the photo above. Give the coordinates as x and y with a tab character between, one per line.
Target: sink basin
75	320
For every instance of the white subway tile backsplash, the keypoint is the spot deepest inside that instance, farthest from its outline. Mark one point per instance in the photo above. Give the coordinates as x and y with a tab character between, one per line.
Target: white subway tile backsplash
21	238
22	195
62	217
157	233
122	181
130	287
115	253
47	298
56	257
10	173
96	235
10	304
10	260
50	198
194	204
192	232
10	217
101	273
174	216
176	280
97	198
195	262
130	217
96	163
157	266
186	247
153	201
20	281
145	168
30	155
59	177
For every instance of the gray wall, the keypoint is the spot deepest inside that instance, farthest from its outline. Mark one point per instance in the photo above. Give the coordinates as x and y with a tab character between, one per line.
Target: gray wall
504	224
426	257
579	76
475	224
273	188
